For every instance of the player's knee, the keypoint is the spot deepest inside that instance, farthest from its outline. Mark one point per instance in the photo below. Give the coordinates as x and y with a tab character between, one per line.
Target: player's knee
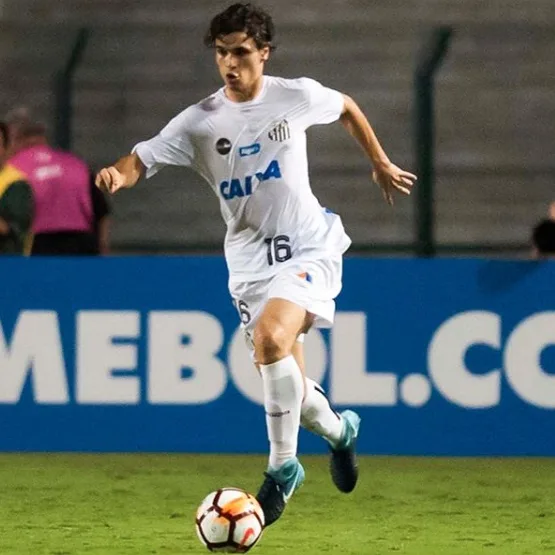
271	343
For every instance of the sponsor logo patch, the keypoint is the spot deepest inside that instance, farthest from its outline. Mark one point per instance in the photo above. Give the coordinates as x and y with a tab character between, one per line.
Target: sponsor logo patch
249	150
223	146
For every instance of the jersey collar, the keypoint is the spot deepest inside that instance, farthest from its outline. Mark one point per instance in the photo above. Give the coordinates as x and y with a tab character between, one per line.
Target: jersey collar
257	99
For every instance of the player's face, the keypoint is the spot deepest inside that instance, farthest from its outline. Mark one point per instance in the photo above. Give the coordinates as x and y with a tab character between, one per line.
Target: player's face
241	64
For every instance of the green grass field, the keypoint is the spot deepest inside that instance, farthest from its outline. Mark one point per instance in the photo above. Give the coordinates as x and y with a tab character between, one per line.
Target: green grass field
144	504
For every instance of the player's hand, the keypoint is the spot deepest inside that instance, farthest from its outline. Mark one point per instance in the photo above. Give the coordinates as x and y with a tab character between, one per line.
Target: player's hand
392	178
110	180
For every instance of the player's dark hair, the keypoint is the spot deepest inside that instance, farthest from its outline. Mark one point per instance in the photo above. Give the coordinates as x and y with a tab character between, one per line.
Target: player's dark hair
4	133
543	237
240	17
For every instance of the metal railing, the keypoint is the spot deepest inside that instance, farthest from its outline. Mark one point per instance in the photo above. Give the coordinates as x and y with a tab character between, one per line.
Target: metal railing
424	137
63	91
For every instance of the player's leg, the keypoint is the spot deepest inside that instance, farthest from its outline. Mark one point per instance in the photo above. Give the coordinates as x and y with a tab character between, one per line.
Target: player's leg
339	430
317	414
274	336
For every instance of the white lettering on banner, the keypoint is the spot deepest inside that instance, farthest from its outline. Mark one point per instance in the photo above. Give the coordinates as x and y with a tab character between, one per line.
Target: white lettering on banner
36	347
350	382
522	360
185	363
98	356
446	355
184	340
245	376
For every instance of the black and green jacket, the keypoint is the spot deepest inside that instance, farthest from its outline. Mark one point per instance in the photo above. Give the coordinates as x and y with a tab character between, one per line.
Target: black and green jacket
16	208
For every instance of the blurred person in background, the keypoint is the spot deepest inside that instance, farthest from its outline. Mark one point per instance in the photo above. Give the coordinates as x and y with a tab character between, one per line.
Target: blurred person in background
16	204
543	236
71	214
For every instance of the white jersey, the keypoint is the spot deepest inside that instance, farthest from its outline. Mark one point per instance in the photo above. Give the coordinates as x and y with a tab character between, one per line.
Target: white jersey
253	155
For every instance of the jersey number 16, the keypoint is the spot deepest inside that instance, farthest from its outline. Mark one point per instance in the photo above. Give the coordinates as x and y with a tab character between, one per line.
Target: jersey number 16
279	249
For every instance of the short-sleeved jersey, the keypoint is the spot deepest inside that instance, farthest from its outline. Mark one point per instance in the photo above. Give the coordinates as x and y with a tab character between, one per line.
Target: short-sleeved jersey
253	155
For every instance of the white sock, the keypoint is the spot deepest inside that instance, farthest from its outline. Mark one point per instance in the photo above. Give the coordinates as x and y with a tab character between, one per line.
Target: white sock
318	416
283	394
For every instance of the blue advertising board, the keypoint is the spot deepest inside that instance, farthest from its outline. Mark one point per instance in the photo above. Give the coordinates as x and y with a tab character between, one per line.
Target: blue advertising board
439	357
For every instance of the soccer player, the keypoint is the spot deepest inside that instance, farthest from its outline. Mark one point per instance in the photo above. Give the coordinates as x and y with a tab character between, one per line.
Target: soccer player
283	250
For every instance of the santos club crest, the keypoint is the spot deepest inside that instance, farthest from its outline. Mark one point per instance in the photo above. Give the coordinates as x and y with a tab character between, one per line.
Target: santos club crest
280	132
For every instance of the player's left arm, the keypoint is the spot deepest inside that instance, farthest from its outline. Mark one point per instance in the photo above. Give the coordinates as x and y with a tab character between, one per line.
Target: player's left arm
386	174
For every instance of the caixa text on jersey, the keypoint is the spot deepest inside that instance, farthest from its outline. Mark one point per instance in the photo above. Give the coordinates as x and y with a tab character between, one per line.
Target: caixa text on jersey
244	187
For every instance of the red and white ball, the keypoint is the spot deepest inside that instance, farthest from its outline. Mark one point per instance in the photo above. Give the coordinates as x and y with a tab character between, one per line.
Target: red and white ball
229	520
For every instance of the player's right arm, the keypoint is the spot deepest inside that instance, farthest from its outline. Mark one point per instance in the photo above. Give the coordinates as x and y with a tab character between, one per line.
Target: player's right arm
171	147
122	175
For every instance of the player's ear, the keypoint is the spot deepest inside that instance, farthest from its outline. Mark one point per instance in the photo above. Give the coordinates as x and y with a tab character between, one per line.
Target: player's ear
265	53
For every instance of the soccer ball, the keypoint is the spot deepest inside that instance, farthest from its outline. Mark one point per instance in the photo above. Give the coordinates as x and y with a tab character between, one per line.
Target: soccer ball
229	520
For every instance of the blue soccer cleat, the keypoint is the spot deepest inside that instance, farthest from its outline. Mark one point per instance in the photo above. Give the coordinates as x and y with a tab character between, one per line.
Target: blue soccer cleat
343	462
278	487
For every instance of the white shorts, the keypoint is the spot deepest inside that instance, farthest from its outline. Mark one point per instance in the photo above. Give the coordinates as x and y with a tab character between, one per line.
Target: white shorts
311	285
